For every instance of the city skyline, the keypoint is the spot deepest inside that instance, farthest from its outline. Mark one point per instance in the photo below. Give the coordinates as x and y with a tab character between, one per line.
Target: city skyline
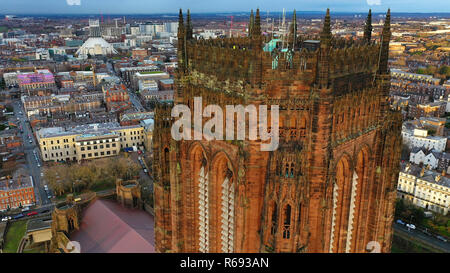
202	6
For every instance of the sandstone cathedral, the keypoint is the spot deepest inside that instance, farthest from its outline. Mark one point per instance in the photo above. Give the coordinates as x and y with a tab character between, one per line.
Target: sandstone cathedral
331	184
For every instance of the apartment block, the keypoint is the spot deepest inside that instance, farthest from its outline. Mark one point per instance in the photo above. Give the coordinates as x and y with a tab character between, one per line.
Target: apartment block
88	141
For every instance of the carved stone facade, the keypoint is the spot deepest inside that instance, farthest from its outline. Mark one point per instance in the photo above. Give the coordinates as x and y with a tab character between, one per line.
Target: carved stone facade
129	193
329	187
66	218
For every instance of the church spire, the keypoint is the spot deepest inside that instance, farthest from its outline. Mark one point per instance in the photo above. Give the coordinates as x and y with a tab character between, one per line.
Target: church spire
384	50
368	27
189	28
256	29
181	39
325	36
251	23
293	31
323	65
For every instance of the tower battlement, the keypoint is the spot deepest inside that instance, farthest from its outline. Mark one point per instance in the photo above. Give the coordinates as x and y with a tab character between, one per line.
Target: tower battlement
243	66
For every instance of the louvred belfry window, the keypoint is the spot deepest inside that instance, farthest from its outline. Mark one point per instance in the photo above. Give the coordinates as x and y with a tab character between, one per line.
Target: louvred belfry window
227	217
203	216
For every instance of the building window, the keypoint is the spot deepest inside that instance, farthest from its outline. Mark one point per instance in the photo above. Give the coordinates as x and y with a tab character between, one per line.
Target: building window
287	222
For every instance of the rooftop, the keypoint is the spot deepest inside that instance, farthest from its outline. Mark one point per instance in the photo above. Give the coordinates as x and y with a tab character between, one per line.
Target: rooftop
107	227
39	224
20	182
85	129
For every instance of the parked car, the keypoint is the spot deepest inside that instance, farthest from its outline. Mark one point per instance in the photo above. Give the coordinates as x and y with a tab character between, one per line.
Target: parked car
400	222
32	213
411	226
18	216
45	211
25	209
441	238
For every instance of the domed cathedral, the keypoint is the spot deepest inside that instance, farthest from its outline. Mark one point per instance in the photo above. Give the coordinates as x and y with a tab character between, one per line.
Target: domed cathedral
328	187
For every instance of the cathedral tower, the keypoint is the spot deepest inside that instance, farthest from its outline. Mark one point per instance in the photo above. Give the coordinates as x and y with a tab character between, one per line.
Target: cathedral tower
330	185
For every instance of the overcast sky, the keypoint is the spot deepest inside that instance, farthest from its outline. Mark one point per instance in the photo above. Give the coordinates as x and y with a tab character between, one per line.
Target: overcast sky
172	6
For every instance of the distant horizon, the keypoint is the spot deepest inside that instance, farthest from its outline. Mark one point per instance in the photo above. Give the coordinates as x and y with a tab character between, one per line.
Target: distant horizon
263	12
138	7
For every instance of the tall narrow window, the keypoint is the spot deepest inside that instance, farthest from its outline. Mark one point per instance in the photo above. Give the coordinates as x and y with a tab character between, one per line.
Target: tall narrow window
227	227
287	222
203	209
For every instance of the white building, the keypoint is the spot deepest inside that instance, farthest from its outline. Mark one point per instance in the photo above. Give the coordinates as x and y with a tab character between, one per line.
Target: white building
42	54
148	85
424	188
421	156
96	46
10	78
419	138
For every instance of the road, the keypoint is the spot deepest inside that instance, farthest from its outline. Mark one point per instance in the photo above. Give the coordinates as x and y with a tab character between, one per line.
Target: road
423	237
133	97
34	166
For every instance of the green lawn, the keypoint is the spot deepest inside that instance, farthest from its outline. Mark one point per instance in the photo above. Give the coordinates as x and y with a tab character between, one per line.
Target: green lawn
15	233
397	249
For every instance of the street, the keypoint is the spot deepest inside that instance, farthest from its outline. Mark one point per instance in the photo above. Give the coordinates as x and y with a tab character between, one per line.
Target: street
133	97
424	237
33	166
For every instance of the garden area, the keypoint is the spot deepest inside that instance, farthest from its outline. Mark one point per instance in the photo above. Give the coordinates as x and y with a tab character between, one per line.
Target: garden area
96	175
14	235
437	223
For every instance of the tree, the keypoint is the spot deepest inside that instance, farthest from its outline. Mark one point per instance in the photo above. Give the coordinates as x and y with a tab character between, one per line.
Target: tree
418	215
406	152
399	208
444	70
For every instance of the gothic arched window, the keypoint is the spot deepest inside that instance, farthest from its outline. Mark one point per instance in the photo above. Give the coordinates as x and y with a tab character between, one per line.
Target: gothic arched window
287	222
